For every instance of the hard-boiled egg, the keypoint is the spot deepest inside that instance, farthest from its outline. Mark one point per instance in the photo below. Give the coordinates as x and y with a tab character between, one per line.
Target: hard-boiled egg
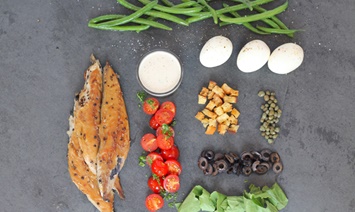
216	51
286	58
253	56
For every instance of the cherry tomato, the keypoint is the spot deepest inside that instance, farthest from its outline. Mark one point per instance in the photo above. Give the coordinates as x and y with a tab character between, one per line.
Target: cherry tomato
170	106
151	157
172	153
153	123
174	167
159	168
156	185
165	142
166	130
164	116
172	183
150	106
154	202
149	142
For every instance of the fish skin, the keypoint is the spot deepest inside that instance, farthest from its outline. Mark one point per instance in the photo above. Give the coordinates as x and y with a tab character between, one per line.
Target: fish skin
88	114
114	134
79	169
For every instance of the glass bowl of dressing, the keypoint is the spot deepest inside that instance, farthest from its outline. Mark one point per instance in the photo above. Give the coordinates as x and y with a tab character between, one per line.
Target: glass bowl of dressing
159	72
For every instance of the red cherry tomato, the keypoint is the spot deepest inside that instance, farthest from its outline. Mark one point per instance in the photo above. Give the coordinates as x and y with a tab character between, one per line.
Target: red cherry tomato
174	167
151	157
156	185
159	168
153	123
154	202
165	142
150	106
149	142
164	116
172	153
170	106
172	183
166	130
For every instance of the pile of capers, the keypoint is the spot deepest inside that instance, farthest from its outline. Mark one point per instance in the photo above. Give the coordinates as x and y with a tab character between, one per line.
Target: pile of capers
270	117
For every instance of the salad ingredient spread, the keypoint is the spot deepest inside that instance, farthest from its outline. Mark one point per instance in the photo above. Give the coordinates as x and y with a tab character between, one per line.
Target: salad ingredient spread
188	12
219	113
286	58
93	133
212	163
253	56
257	200
270	117
216	51
160	73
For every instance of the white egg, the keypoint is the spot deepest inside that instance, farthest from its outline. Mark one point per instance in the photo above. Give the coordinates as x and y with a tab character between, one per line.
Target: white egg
253	56
216	51
286	58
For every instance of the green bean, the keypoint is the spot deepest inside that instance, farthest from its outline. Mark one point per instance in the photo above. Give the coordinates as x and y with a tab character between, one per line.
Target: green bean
132	16
245	2
255	17
173	10
168	3
278	31
198	18
241	6
101	19
136	28
212	11
186	4
156	14
270	23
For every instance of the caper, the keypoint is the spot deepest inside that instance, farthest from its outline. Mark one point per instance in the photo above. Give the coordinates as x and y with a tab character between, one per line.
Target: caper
262	107
263	116
266	137
267	133
267	112
275	100
267	92
273	93
272	97
266	105
266	98
277	129
273	105
273	132
277	120
263	134
269	102
276	108
271	117
275	114
270	141
261	93
279	111
262	128
273	125
275	136
271	112
278	114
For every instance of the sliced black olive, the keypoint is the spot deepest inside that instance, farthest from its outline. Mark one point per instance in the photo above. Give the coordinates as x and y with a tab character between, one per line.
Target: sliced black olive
274	157
277	167
246	170
229	158
215	170
209	155
247	162
262	168
255	164
267	165
246	155
202	163
265	154
203	153
230	170
209	170
218	156
239	170
235	157
256	155
222	165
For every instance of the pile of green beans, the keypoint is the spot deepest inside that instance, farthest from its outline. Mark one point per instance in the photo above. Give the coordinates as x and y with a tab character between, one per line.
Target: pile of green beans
190	11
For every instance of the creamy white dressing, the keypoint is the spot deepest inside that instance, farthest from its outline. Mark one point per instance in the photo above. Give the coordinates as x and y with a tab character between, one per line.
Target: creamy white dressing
160	72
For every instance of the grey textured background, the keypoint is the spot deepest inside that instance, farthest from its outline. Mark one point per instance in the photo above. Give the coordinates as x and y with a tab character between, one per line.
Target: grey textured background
44	50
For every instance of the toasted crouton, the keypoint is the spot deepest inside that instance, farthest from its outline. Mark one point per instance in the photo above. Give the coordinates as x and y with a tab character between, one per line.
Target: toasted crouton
227	107
219	91
230	99
210	105
205	122
219	110
222	118
200	116
233	128
234	93
233	120
210	95
211	85
210	130
218	101
226	88
235	113
222	129
202	100
204	91
209	113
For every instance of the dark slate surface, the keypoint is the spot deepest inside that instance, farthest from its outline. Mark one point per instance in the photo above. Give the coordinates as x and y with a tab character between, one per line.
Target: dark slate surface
45	48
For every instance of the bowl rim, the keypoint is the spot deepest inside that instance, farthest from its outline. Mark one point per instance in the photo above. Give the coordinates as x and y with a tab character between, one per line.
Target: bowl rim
175	87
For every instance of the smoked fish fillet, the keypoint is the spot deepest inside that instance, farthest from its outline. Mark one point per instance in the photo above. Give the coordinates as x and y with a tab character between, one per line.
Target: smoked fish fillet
114	135
88	114
84	139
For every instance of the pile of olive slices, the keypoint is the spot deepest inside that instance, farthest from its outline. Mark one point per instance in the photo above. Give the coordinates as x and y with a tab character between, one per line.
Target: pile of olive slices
212	163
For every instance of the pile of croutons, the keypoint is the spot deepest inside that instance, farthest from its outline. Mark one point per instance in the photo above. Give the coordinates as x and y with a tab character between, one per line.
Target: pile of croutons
219	113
